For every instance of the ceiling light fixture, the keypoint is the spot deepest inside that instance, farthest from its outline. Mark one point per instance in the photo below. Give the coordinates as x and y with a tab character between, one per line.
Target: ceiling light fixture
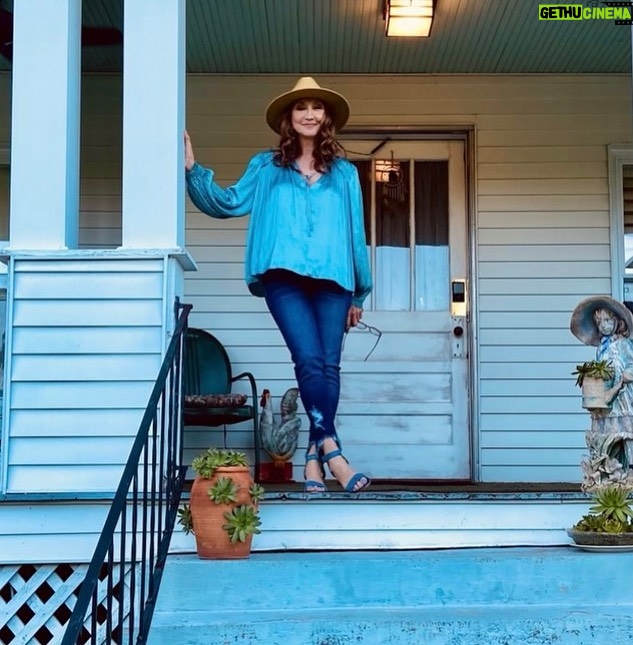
408	18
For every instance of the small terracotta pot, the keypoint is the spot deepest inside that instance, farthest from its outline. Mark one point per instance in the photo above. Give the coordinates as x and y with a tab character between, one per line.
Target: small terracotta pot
212	541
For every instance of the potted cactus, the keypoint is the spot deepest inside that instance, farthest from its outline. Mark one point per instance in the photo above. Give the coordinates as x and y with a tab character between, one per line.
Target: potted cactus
609	522
223	510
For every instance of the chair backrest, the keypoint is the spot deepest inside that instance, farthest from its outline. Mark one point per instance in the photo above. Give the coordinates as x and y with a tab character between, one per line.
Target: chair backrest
207	366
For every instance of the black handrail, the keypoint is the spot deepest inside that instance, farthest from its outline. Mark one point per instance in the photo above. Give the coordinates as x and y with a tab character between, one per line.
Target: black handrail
123	578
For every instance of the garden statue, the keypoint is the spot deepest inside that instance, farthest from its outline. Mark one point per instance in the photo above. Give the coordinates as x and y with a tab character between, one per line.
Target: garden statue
607	324
279	439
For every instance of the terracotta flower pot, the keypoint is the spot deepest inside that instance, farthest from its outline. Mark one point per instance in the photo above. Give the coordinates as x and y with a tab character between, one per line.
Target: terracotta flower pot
212	541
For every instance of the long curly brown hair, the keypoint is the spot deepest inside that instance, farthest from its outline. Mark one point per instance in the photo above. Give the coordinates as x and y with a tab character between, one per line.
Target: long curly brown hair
326	147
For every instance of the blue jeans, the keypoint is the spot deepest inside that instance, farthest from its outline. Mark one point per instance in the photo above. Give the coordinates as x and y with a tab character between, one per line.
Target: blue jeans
311	315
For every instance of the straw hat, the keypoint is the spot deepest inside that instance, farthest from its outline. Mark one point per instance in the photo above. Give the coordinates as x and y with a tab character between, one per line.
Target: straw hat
583	325
307	88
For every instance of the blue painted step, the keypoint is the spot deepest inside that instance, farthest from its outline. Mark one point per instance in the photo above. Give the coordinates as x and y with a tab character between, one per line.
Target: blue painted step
447	597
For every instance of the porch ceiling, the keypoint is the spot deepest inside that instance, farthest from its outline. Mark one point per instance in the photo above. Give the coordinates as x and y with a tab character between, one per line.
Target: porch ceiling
347	36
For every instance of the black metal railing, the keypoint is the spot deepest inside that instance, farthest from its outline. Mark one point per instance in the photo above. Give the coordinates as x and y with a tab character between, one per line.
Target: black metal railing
123	578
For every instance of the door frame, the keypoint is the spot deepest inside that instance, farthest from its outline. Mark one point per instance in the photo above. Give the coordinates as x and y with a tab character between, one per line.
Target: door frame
468	134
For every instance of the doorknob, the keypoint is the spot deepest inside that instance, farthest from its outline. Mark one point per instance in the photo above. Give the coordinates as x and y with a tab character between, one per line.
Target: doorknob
458	341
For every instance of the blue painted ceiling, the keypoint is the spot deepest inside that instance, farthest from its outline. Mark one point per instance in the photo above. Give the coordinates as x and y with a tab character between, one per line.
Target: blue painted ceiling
347	36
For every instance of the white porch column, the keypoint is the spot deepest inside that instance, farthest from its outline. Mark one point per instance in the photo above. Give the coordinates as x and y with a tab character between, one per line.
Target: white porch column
45	124
153	124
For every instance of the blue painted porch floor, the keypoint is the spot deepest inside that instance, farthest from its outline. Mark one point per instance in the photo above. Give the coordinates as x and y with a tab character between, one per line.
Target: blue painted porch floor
492	596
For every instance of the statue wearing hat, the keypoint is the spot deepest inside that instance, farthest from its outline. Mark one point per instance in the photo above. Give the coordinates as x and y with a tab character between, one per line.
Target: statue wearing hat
607	324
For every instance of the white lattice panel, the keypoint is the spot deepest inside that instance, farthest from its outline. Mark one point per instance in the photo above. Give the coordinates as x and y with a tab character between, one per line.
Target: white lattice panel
36	603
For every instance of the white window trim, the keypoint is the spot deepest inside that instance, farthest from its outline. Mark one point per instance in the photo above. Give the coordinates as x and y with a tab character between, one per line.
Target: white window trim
619	156
5	161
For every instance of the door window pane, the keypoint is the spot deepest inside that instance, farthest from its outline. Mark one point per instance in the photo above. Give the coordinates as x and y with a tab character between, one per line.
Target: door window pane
407	221
431	236
393	239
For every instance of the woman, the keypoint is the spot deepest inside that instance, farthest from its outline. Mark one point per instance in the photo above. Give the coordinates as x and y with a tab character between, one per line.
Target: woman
305	252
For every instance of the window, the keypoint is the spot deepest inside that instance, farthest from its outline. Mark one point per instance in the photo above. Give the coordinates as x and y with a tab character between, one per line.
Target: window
621	206
406	224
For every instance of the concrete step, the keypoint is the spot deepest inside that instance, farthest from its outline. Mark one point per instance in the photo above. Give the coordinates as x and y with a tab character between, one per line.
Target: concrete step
453	597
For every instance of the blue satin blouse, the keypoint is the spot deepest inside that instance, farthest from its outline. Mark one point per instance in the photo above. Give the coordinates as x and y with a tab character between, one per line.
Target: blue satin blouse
316	230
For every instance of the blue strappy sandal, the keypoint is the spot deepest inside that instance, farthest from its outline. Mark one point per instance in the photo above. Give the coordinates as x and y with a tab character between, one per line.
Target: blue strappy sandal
312	485
356	477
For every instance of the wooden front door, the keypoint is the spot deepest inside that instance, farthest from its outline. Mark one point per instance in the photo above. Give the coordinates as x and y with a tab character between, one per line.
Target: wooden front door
404	411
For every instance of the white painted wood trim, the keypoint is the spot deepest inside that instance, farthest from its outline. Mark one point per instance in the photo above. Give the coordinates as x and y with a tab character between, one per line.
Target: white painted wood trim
73	528
45	152
472	288
153	123
6	396
183	256
619	155
392	525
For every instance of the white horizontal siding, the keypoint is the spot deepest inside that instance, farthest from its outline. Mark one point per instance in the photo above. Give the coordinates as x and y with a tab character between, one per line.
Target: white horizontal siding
543	230
27	530
85	346
111	422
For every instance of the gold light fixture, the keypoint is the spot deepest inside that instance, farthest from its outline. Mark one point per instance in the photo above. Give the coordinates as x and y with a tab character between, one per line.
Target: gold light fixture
408	18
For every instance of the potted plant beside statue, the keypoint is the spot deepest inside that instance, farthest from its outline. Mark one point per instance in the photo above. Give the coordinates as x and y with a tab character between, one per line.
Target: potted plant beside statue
223	510
609	522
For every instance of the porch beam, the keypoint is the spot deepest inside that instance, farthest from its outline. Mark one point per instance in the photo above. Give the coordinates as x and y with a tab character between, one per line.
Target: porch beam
45	119
153	124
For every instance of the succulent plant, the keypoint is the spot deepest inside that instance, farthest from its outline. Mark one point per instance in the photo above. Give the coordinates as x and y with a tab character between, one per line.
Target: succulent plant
185	519
241	522
223	491
611	511
612	525
591	523
596	369
207	463
257	493
613	502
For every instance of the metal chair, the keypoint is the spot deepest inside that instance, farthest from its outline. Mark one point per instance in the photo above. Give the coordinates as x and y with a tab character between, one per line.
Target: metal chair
207	376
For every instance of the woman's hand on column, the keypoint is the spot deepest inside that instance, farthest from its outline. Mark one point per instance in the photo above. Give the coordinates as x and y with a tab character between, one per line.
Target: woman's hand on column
353	316
189	158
